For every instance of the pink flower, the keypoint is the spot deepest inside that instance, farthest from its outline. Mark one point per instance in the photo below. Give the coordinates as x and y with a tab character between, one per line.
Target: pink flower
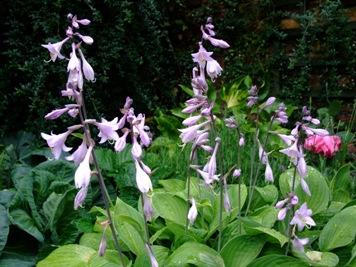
57	143
325	145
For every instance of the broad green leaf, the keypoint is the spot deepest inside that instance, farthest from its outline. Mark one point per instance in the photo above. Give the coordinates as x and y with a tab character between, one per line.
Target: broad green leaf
265	216
123	209
274	260
4	227
264	195
75	256
320	193
316	258
339	231
241	250
6	197
16	259
170	207
340	184
53	208
196	254
161	253
131	237
353	254
21	219
275	235
233	192
172	185
91	240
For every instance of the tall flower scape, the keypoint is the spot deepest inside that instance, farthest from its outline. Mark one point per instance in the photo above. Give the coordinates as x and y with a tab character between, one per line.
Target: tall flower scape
201	133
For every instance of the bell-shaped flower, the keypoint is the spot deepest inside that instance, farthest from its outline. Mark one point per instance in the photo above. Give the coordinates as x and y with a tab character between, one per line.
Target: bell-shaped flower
213	69
74	63
121	141
143	181
78	155
83	172
262	154
287	139
202	56
269	101
302	218
86	39
208	179
241	141
305	186
191	120
56	142
230	123
55	49
147	207
102	246
107	130
193	212
292	151
302	167
268	173
144	137
299	243
87	69
80	197
236	173
54	114
210	167
136	149
189	134
73	112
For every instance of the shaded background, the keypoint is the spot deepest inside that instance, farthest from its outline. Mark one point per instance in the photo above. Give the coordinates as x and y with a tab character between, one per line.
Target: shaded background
300	50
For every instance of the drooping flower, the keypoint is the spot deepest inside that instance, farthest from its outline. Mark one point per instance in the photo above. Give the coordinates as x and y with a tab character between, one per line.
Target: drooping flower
213	69
54	114
56	142
299	243
107	130
193	212
302	217
189	134
83	172
286	204
253	96
143	181
202	56
153	260
281	114
121	141
80	197
147	207
236	173
136	149
78	155
268	173
74	63
55	49
87	69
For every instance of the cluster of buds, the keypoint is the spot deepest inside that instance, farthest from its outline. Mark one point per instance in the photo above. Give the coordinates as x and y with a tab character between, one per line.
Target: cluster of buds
199	107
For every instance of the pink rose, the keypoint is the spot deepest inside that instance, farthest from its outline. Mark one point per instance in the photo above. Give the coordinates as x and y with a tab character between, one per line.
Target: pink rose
325	145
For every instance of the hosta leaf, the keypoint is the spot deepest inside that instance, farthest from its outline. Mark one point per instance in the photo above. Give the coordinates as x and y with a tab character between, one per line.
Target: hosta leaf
196	254
277	260
339	231
26	223
241	250
340	184
131	237
4	227
172	185
320	193
170	207
75	256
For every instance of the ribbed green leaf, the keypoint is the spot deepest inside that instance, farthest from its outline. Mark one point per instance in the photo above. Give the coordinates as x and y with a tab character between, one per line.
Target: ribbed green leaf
241	250
339	231
196	254
320	193
170	207
277	260
26	223
131	237
172	185
4	227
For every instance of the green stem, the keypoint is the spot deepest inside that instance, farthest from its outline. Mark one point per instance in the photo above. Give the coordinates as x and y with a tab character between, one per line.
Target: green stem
290	213
220	213
258	167
104	192
145	220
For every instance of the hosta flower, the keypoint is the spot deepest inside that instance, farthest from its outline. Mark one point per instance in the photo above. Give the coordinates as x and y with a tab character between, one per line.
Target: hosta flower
102	245
87	69
286	204
55	49
230	123
147	207
253	97
80	197
107	130
74	63
83	172
236	173
136	149
208	179
121	141
302	218
213	69
210	167
86	39
299	243
202	56
192	213
78	155
144	137
191	120
189	134
143	181
153	260
268	173
54	114
57	143
242	141
281	114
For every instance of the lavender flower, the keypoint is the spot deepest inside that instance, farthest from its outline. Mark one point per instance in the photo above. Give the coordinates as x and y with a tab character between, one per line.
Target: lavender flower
83	172
253	97
193	212
80	197
55	49
78	155
147	207
299	243
57	143
153	260
107	130
302	217
143	181
281	114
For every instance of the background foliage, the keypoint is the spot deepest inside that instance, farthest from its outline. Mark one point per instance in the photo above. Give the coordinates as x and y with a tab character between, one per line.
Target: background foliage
142	49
